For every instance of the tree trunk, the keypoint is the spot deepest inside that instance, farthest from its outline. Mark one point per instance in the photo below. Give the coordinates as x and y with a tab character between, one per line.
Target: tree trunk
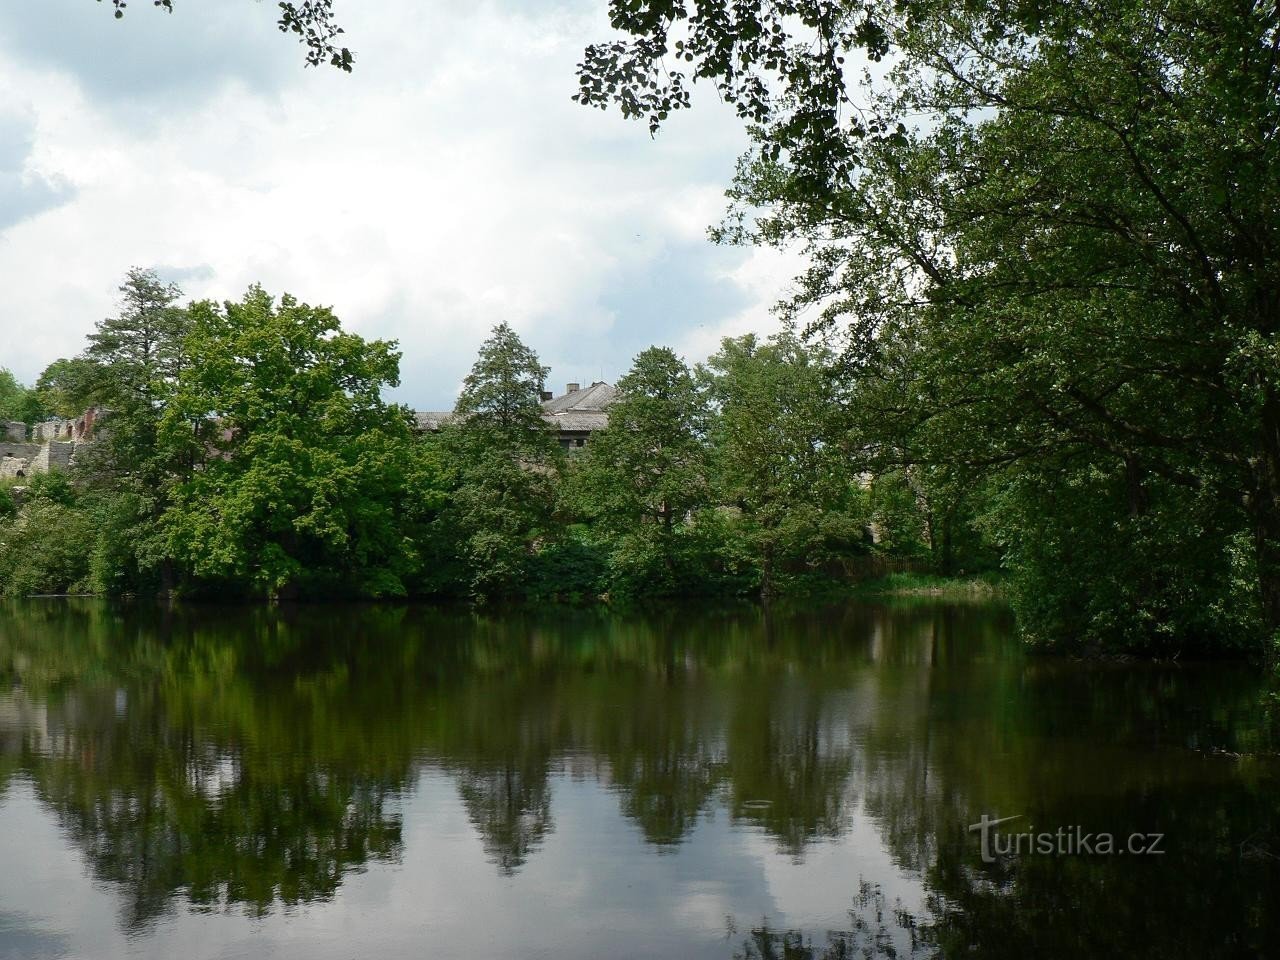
1266	517
766	572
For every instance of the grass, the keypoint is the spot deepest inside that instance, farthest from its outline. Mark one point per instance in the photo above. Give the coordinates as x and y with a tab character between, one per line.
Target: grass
979	587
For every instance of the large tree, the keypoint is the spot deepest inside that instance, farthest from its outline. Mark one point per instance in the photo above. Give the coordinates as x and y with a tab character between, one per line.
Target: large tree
506	461
1048	234
778	449
647	472
303	467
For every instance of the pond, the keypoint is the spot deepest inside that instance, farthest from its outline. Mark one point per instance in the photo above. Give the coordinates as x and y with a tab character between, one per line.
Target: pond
381	781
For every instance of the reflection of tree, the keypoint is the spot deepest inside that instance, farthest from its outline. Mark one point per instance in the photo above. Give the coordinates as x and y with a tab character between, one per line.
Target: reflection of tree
786	771
510	807
875	932
659	736
166	813
252	758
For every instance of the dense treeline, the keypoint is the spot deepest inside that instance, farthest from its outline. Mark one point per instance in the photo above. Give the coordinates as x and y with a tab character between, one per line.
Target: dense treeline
247	451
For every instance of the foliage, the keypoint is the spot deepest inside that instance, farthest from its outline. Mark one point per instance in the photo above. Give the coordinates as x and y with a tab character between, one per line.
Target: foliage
644	477
302	465
311	20
45	547
16	401
571	568
506	463
67	387
1044	237
778	451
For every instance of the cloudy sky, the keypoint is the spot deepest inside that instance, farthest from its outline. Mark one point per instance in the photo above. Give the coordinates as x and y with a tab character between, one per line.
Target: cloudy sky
446	185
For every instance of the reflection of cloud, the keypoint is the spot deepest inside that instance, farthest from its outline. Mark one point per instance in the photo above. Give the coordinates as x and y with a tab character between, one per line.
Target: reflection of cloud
20	939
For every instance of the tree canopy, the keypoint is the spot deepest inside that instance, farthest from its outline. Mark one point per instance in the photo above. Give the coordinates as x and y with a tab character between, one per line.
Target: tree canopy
302	465
1044	238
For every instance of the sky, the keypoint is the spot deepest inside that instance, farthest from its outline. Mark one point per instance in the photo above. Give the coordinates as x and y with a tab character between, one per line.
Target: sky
448	184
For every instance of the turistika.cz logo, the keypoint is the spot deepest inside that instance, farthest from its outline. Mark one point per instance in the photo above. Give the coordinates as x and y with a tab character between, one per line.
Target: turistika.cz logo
1064	842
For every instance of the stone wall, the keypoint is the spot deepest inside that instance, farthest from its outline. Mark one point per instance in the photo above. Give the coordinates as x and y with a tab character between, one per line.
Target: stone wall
16	457
26	459
81	428
14	431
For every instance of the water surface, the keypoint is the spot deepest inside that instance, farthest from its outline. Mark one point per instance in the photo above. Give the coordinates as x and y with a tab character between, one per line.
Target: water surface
402	782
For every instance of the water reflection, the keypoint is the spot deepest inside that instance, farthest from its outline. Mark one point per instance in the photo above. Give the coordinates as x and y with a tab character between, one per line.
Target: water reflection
255	760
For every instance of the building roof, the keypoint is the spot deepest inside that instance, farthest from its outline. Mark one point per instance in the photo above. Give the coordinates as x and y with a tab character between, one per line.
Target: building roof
588	420
432	420
578	410
595	398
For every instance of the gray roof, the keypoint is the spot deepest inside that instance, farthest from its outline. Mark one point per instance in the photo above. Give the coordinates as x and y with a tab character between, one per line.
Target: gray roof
431	420
578	420
595	398
581	410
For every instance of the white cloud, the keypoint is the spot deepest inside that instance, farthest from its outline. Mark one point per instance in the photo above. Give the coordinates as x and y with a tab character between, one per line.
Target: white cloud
447	184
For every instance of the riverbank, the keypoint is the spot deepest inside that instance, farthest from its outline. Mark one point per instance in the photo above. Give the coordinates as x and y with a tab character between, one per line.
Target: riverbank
986	586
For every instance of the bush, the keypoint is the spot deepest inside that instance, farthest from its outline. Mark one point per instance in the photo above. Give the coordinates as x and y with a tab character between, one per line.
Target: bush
46	549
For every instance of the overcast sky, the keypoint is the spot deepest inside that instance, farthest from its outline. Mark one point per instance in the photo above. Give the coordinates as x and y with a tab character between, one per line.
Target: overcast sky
446	185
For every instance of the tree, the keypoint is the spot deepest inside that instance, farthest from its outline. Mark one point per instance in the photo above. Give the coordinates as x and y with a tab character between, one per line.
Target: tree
143	344
1047	234
16	401
129	368
67	387
507	461
302	464
311	20
777	450
646	473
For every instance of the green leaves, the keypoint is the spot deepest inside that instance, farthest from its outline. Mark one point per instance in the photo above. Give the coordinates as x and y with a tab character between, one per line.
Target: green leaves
1044	238
506	460
301	466
644	478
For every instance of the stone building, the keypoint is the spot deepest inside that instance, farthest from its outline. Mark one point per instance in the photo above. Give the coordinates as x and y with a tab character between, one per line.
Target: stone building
52	446
579	413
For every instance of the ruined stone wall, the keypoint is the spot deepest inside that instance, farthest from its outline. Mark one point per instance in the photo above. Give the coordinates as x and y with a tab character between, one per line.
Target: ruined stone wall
27	459
52	447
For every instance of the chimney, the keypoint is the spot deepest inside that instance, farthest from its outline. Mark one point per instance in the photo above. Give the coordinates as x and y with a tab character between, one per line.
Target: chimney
546	394
571	388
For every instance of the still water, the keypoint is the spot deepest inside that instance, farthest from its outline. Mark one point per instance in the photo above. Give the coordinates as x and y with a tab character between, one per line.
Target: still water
402	782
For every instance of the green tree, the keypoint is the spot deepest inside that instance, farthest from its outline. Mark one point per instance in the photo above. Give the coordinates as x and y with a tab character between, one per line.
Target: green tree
129	368
506	461
143	344
67	387
1047	234
46	546
303	466
646	474
16	401
779	456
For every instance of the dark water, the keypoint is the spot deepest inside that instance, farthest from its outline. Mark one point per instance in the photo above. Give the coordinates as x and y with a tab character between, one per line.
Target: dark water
375	782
